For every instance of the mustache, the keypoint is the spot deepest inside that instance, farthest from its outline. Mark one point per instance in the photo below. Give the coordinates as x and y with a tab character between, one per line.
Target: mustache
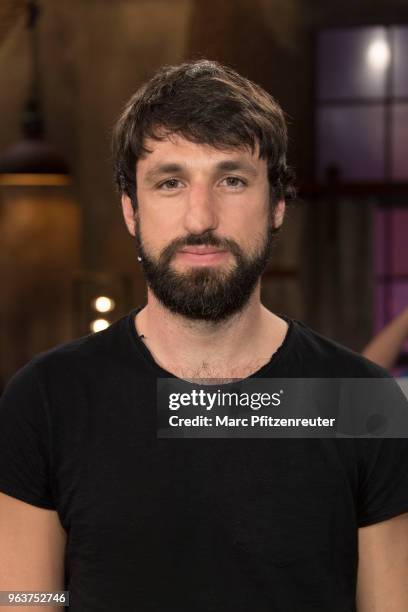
206	238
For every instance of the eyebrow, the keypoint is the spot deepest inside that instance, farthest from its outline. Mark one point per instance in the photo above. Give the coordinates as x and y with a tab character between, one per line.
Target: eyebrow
227	165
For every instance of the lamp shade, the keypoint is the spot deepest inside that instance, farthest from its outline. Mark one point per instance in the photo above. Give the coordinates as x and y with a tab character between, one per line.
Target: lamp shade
32	161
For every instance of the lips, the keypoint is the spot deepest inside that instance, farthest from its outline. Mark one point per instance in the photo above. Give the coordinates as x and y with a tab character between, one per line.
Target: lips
201	250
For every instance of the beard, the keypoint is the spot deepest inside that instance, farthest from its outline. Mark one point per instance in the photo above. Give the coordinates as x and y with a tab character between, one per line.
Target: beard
207	293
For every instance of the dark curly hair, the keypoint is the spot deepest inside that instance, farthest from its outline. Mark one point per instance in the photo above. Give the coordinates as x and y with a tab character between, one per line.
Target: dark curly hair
206	103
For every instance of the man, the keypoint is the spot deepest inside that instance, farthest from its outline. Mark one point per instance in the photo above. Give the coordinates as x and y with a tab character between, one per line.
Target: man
94	501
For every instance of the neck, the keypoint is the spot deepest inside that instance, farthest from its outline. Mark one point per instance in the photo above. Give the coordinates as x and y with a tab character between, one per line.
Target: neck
235	347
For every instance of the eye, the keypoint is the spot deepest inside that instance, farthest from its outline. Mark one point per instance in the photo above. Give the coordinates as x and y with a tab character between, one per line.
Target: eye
169	184
234	181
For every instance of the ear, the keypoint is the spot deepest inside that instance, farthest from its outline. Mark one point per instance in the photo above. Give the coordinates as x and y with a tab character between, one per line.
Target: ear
128	214
279	214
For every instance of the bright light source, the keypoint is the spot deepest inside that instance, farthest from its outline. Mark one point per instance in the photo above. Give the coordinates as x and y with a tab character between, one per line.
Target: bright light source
103	304
99	325
378	54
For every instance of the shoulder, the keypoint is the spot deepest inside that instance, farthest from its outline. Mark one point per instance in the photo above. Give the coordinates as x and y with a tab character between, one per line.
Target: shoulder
323	356
92	352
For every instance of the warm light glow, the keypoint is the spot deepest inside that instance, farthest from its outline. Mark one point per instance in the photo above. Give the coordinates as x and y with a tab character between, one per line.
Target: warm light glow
27	180
378	54
99	324
103	304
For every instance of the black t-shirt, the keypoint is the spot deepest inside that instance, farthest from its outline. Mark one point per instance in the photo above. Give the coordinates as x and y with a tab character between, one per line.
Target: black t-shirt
192	525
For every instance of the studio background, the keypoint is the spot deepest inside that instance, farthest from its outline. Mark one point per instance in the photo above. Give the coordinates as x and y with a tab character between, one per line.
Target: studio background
64	245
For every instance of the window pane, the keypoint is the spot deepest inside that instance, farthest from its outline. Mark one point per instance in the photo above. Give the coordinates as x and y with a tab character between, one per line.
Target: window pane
352	139
352	63
399	142
400	241
399	297
400	72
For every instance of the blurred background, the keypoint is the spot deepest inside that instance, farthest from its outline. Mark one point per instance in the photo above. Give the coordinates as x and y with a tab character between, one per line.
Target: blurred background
338	69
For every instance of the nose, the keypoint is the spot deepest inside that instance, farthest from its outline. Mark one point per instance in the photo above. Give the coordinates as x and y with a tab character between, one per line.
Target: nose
201	212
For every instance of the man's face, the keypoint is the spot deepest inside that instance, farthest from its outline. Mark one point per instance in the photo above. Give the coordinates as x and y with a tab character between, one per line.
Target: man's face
203	225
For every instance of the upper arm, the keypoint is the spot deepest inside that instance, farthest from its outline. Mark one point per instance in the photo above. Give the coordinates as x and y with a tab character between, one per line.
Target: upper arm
382	584
32	548
32	539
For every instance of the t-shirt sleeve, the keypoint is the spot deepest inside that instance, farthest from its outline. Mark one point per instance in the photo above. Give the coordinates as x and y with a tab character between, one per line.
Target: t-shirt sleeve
383	468
25	442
